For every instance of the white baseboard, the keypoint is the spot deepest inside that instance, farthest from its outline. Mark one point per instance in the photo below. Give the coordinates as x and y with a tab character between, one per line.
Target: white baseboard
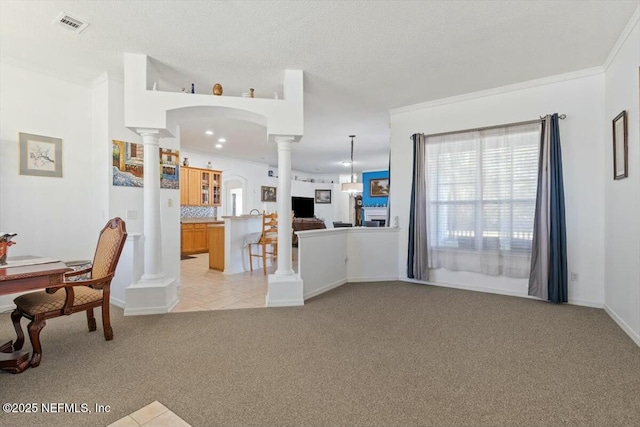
147	310
635	337
7	308
325	288
372	279
285	303
474	288
586	303
117	302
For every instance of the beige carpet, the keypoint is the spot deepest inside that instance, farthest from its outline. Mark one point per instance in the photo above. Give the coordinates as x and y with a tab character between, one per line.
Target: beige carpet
367	354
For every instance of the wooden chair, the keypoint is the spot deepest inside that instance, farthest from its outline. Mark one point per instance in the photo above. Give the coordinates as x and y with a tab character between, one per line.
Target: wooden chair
269	237
80	295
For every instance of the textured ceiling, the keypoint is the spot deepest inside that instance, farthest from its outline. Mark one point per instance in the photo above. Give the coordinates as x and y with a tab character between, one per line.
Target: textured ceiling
360	58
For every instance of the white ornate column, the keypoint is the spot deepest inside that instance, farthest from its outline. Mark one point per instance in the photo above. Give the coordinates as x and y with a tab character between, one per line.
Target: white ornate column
152	229
285	287
153	292
284	206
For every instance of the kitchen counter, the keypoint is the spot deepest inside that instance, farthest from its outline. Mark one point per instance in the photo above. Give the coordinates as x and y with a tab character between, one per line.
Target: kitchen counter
200	220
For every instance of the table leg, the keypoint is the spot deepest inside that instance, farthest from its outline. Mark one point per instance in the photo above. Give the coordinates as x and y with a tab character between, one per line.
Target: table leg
13	361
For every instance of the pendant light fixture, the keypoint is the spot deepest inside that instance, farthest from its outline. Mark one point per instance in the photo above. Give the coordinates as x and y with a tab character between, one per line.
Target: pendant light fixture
352	187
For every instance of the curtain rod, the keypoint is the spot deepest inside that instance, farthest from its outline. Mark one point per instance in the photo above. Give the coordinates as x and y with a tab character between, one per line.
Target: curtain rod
528	122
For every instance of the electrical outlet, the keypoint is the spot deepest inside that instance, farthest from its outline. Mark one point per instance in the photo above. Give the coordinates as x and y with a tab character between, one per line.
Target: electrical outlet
132	214
574	277
170	203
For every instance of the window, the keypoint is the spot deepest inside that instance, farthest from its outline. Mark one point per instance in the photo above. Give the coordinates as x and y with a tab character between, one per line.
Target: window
481	194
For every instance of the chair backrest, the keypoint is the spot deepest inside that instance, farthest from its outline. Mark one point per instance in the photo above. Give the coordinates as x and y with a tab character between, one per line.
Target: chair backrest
110	244
372	223
270	225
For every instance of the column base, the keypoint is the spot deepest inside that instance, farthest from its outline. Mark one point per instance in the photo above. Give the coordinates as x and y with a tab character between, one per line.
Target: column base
151	297
285	291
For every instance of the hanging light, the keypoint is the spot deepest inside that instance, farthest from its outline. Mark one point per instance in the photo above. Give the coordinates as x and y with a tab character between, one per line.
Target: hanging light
352	187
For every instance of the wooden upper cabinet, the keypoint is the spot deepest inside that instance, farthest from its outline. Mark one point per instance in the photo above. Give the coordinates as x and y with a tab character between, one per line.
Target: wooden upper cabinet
184	186
200	187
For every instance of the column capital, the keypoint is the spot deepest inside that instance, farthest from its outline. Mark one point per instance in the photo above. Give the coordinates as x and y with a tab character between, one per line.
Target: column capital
284	138
147	131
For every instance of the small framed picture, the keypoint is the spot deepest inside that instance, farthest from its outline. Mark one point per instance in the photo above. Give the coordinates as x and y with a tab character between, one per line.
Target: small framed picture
620	148
40	155
379	187
268	194
323	196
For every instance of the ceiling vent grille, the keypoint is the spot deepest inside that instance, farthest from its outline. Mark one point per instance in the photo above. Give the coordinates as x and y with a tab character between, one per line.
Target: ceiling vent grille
70	23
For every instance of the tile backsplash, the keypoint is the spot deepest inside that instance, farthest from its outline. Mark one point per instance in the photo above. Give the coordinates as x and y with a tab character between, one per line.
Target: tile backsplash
198	212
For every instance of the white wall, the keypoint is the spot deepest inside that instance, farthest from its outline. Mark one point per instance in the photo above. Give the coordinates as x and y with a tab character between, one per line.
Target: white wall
52	216
581	97
622	197
257	175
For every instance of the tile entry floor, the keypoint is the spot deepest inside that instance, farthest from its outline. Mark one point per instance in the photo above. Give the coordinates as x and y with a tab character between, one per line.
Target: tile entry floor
153	415
205	289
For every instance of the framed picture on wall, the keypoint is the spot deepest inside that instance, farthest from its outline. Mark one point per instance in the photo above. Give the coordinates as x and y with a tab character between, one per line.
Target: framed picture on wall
40	155
620	147
379	187
323	196
268	194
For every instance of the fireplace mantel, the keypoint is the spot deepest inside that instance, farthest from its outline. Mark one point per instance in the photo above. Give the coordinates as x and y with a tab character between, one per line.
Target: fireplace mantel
374	213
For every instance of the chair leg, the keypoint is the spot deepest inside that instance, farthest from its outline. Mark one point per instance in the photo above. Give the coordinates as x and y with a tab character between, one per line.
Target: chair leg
34	328
106	320
16	316
264	259
91	320
250	258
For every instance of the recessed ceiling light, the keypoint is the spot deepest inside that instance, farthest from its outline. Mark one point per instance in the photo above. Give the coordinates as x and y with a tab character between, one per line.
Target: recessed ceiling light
209	132
222	140
346	164
218	146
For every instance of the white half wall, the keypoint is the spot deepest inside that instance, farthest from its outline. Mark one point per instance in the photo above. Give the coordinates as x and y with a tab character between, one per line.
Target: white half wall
622	197
581	97
331	257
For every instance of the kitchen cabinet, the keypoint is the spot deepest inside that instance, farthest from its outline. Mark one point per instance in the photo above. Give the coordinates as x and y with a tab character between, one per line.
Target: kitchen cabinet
194	238
216	247
200	187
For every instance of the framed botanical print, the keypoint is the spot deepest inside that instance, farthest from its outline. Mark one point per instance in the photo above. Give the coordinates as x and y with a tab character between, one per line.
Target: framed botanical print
40	155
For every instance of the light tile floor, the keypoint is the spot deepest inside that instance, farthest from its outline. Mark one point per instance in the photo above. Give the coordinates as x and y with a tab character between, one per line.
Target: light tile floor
205	289
153	415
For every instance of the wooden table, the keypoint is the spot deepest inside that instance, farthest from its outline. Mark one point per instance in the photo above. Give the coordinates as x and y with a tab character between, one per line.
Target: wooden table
21	279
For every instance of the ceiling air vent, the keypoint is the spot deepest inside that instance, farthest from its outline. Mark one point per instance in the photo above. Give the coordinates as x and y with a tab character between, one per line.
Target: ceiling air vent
70	23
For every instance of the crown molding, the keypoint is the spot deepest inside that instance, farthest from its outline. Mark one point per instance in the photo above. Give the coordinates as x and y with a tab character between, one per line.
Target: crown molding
628	29
500	90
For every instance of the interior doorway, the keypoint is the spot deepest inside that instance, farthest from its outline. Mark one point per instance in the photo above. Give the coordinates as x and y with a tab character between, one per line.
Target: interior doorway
234	202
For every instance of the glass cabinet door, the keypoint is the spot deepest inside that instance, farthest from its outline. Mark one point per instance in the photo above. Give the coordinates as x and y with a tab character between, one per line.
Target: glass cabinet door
216	189
205	188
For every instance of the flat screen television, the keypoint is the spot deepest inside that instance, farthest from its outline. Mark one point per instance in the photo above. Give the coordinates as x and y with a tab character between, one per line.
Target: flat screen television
303	207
